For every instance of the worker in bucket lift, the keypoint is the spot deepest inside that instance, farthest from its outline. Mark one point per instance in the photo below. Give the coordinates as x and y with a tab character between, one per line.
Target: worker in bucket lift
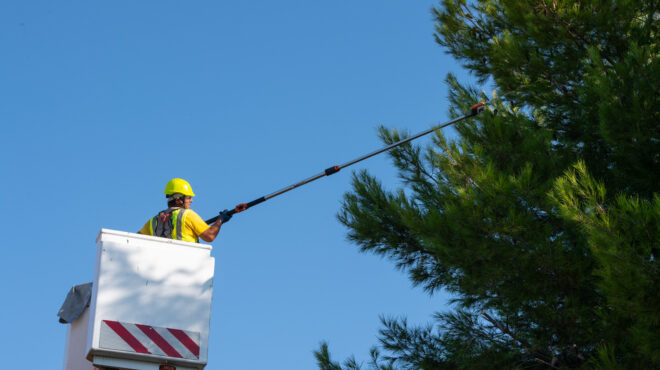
180	222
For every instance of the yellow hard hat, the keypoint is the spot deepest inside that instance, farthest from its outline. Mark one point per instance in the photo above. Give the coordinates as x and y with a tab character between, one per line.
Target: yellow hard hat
179	186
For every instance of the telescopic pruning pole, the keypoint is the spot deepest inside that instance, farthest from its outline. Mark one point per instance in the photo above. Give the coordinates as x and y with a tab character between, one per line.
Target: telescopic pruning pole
474	110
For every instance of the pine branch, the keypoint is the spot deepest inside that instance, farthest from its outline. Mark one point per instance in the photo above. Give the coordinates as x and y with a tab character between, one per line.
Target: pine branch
460	168
567	27
524	343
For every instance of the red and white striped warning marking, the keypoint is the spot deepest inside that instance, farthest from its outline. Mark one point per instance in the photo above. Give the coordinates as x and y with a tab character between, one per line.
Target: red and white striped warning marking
147	339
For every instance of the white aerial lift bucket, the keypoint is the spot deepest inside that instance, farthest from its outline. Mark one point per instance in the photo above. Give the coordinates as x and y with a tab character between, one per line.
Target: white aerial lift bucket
150	305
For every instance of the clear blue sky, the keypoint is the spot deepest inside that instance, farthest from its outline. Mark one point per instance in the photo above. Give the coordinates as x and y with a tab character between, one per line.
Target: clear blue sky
101	103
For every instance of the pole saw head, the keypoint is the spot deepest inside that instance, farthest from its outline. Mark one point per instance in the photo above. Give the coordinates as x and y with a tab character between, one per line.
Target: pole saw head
477	108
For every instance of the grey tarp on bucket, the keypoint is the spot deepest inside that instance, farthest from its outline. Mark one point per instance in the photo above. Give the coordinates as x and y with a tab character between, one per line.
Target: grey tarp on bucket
75	303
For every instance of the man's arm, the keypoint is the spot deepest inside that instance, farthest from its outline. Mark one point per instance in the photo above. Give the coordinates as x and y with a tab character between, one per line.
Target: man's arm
209	234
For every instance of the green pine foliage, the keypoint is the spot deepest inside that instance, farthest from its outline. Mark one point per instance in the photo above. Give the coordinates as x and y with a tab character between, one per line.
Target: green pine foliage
623	234
543	219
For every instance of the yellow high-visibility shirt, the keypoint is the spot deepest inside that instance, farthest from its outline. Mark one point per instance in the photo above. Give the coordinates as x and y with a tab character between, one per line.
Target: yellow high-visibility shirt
191	227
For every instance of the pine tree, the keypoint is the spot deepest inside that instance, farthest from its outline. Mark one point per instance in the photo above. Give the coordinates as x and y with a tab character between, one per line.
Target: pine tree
543	218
